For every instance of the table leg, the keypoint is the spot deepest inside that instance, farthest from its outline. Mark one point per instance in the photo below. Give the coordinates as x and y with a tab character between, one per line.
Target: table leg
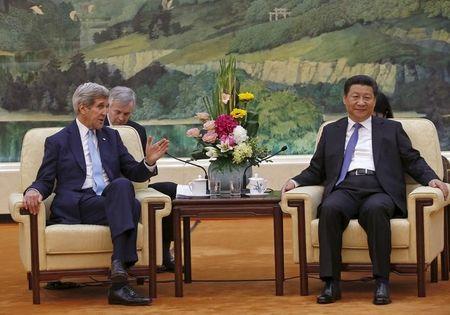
152	250
177	253
187	249
279	249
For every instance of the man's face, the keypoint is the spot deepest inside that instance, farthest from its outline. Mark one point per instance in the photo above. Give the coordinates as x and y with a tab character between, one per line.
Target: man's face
94	116
359	102
119	114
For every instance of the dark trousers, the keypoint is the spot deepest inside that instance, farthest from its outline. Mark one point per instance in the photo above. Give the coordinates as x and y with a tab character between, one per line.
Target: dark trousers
117	208
169	189
357	197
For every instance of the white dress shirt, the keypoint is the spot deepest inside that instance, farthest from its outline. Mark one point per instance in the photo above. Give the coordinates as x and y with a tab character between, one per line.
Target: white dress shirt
363	156
89	181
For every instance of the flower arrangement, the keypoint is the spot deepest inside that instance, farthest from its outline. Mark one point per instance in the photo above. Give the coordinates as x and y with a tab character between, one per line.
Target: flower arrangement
228	134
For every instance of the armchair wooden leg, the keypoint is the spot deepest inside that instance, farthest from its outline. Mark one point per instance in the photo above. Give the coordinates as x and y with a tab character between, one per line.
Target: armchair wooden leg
152	248
301	245
30	287
420	245
34	259
445	259
434	270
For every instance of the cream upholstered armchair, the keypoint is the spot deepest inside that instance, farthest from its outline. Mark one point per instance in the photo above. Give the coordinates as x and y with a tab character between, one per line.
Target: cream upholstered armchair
58	251
417	240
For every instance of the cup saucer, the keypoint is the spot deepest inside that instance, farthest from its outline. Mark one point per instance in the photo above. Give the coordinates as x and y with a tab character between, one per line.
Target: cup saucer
255	195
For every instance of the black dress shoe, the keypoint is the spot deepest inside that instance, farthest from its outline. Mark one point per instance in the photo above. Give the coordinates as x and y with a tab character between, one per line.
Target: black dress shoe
126	296
330	293
118	272
170	266
381	295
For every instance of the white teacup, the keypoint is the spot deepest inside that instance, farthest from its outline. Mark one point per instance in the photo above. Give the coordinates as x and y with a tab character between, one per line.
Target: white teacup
198	186
257	185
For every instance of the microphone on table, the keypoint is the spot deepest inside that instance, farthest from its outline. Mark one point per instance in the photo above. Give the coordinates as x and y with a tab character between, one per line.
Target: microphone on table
193	164
244	177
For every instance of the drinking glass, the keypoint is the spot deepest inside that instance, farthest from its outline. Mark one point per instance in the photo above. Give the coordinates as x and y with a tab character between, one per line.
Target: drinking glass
235	186
214	187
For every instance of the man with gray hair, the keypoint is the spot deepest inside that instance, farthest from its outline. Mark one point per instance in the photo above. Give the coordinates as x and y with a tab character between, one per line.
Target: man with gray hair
93	172
122	102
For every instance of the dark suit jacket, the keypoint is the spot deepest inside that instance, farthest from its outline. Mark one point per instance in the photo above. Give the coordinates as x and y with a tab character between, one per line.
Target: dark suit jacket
140	130
64	162
393	155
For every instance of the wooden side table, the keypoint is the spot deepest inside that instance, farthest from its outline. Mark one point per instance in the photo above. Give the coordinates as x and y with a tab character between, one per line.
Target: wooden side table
222	207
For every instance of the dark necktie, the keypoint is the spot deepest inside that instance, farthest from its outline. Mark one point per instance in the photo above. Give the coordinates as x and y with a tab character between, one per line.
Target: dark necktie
349	151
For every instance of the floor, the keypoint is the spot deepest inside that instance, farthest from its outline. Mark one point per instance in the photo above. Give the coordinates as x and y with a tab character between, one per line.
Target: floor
229	250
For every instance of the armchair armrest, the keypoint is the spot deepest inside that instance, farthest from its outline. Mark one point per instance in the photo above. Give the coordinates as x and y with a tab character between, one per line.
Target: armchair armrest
435	195
31	230
311	195
20	215
155	197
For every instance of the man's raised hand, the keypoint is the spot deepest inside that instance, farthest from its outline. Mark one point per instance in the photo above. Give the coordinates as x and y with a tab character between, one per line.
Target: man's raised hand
154	151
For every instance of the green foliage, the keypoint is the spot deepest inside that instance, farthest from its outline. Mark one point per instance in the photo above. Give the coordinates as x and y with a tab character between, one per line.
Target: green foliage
319	19
293	125
21	30
225	84
326	96
437	8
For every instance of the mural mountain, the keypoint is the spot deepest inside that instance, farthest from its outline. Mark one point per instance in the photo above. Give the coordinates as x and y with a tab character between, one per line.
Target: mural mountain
293	55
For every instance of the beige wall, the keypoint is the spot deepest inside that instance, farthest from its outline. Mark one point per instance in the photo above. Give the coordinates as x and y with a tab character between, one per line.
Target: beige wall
277	172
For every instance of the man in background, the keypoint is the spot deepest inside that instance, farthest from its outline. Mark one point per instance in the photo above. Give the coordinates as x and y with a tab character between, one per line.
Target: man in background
122	102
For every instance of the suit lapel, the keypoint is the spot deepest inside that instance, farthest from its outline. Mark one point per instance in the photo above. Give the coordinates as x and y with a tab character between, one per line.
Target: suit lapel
338	140
76	146
377	136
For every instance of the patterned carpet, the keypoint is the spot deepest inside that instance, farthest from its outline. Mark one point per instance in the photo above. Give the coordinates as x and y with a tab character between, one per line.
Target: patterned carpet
221	250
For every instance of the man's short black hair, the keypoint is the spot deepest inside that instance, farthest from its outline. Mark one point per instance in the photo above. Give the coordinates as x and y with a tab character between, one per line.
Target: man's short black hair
361	80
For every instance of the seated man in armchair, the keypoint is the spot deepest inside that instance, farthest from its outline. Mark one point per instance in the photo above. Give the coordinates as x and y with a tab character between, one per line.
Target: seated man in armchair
360	159
93	172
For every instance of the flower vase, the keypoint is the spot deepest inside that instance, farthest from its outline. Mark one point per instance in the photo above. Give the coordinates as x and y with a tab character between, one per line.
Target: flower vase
226	171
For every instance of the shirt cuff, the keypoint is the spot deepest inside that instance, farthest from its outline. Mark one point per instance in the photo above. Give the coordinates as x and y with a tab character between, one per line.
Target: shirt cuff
151	168
295	183
32	189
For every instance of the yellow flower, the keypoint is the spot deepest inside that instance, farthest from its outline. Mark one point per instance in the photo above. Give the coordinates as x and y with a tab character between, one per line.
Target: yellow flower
245	97
238	113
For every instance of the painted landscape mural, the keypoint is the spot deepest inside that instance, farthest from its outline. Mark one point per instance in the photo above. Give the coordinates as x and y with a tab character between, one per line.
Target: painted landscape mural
293	55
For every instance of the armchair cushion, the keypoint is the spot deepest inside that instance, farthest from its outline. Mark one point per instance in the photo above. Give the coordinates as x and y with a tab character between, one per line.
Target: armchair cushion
86	239
355	237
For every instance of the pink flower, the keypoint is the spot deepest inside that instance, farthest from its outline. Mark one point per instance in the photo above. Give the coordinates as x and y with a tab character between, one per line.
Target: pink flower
210	137
202	116
229	140
225	98
225	125
209	125
193	133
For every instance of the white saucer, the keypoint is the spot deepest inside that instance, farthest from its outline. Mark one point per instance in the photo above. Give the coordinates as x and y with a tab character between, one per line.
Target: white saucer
254	195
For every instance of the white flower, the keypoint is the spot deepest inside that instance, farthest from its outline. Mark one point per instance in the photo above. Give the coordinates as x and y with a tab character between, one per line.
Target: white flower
211	152
240	134
225	146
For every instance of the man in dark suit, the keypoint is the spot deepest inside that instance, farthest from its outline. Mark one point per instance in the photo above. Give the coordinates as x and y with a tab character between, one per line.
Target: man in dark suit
122	102
93	172
360	160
